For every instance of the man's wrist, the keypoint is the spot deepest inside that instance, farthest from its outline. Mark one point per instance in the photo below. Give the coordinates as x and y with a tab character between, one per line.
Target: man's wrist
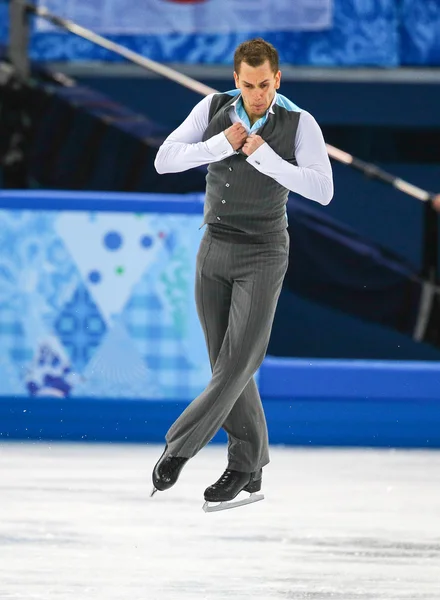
219	146
259	155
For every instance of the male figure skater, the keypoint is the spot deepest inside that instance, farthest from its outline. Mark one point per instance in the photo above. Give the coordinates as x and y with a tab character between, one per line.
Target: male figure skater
258	145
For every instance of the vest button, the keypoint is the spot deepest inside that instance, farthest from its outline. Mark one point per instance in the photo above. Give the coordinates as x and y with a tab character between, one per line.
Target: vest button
231	169
223	201
227	184
218	219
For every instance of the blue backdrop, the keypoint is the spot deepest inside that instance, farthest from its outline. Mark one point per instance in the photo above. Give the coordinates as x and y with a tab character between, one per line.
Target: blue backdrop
365	32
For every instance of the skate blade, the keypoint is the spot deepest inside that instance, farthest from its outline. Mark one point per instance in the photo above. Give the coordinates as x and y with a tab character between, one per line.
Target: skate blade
214	507
153	491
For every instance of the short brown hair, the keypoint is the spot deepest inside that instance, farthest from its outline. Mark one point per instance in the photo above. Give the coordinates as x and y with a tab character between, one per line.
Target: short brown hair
254	53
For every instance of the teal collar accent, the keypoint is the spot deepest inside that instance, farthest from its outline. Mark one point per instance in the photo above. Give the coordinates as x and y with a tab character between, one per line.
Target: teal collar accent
239	108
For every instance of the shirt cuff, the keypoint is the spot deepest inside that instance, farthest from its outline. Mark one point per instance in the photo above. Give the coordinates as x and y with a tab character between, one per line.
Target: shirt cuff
263	158
219	146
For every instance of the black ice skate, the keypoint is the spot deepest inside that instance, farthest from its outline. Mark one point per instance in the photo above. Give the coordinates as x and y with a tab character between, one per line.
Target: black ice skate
167	471
230	484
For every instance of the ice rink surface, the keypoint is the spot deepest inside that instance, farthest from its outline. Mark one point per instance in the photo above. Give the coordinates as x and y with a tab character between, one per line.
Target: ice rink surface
77	522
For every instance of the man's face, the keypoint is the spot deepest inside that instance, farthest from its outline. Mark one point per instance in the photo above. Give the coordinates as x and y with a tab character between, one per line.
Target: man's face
257	85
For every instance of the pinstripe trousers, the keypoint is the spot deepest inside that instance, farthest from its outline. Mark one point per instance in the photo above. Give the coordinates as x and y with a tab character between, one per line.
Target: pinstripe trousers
238	282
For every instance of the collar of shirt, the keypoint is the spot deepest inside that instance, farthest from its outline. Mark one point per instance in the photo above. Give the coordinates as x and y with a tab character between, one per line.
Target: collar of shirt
241	113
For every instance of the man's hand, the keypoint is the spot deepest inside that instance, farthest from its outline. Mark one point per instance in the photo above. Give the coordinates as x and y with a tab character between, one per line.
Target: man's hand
436	202
253	142
236	135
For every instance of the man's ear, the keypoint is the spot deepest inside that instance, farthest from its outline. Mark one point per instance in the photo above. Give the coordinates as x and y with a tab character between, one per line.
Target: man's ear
236	80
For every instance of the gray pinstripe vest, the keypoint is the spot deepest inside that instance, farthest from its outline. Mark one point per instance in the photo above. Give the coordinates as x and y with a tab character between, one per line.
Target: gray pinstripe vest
237	195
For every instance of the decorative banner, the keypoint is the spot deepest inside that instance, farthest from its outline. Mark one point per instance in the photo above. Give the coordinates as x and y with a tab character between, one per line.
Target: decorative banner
100	305
191	16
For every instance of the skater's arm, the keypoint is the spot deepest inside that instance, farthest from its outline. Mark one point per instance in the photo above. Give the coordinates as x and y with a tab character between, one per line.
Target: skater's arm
312	178
183	149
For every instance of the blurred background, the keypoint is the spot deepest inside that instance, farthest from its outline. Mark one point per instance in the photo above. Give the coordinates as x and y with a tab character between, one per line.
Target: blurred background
99	339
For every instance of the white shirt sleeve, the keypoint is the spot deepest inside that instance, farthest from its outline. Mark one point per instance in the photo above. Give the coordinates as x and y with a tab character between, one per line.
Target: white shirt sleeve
183	149
312	178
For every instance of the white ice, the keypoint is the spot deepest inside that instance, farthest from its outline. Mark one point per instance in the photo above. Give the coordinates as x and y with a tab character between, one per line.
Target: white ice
76	522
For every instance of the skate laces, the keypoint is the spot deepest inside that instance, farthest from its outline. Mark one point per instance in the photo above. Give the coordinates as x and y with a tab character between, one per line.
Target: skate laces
224	478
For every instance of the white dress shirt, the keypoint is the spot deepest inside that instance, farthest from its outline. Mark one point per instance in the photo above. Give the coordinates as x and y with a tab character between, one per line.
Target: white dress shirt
312	178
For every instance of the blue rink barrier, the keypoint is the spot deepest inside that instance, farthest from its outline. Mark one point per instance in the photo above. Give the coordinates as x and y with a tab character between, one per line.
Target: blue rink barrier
352	403
126	369
307	403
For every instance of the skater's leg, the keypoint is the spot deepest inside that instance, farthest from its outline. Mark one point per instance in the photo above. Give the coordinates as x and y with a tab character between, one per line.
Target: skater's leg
214	290
248	447
246	423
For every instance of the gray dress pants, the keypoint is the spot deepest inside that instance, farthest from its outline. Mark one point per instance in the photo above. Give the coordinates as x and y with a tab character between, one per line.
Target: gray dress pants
238	282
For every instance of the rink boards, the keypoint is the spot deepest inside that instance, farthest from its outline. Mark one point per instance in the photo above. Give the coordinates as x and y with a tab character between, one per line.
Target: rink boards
129	366
307	403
